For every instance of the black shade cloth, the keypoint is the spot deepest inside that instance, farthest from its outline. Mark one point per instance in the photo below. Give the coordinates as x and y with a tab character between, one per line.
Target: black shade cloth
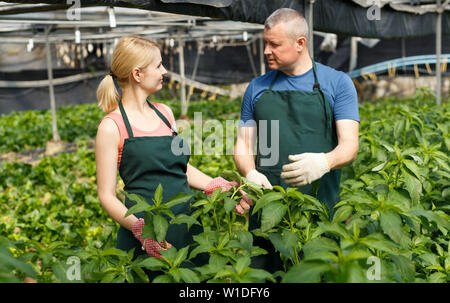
335	16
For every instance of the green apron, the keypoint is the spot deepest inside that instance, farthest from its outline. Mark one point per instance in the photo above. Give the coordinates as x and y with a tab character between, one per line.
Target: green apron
306	124
147	162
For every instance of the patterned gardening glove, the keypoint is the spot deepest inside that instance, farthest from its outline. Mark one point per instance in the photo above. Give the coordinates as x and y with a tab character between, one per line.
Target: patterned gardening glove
151	246
220	182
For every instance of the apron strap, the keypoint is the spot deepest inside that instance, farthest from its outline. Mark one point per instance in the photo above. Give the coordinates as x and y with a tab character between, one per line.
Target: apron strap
174	133
316	87
125	119
316	81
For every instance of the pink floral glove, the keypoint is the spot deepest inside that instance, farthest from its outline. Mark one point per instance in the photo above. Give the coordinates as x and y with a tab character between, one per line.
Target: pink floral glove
220	182
151	246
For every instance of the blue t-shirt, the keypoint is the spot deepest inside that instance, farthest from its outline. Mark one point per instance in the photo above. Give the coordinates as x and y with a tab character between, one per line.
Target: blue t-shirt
336	85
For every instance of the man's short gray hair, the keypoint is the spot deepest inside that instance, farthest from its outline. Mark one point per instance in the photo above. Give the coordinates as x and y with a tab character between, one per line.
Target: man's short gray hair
296	25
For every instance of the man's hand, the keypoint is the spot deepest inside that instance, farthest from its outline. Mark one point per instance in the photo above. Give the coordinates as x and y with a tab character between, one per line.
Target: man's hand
258	178
305	168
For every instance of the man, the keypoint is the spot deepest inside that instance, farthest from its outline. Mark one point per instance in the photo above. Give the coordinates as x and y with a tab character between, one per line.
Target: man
308	110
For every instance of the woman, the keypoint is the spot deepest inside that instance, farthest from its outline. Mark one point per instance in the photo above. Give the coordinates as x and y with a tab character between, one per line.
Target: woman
135	138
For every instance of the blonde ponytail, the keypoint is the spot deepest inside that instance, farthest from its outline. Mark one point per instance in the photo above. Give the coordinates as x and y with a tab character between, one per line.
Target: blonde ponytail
130	52
107	94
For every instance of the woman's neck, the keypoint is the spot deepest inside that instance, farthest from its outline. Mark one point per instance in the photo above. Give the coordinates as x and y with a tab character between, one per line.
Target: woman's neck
134	100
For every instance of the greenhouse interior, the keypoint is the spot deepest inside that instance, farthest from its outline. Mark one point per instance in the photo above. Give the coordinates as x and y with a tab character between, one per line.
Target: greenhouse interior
385	61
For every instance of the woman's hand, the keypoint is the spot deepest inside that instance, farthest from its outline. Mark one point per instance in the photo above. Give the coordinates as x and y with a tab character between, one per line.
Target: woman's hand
219	182
152	247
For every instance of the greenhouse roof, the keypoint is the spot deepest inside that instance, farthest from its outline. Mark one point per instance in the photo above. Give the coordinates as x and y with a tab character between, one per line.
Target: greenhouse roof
363	18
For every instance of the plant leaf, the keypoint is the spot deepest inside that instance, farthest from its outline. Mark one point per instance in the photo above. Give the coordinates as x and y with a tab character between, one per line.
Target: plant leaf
266	199
141	204
178	199
272	215
229	204
160	226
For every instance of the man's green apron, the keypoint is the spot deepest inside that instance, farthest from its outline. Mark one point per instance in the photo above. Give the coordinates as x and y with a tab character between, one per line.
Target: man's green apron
306	125
147	162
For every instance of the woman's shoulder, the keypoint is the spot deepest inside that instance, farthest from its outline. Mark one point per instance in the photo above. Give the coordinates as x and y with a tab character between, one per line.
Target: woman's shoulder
108	124
165	108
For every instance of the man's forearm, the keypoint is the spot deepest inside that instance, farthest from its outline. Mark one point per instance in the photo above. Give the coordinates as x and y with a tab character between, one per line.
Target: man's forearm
343	154
244	163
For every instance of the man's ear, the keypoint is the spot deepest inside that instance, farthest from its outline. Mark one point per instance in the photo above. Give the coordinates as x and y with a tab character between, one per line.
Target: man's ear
301	43
136	74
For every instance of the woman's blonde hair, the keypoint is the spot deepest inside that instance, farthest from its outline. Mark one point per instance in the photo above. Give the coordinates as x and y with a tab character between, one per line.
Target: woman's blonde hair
129	53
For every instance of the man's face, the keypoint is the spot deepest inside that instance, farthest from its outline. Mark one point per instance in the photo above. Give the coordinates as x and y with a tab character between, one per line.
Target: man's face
282	51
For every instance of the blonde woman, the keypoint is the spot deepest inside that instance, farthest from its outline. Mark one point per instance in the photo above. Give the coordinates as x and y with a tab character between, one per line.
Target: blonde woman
135	138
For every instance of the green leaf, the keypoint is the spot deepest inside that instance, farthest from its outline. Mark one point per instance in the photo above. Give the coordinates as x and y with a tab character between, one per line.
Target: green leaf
181	256
391	224
178	199
318	245
224	239
342	213
158	195
245	239
141	204
160	226
242	263
437	277
332	227
433	216
265	200
113	252
377	241
260	275
306	272
229	204
163	279
169	254
200	203
412	185
188	276
285	243
148	230
216	194
141	274
183	218
272	215
412	166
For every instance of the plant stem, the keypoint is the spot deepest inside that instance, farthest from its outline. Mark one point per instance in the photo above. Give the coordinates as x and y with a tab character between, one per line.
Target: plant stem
215	217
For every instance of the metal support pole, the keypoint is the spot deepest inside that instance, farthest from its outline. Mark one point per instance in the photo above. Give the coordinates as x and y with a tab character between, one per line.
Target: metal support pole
184	105
50	84
194	72
404	54
311	29
252	62
261	55
438	51
353	53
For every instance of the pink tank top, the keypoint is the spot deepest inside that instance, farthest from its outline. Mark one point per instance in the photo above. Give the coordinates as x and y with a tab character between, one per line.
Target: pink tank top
161	130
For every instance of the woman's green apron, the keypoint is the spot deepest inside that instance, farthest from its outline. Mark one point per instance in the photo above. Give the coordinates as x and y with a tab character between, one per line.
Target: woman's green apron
306	124
147	162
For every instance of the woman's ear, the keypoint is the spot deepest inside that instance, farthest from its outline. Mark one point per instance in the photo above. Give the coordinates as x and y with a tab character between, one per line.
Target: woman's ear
136	74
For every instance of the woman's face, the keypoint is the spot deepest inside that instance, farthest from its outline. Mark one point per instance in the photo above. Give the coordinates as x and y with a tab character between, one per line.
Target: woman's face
152	80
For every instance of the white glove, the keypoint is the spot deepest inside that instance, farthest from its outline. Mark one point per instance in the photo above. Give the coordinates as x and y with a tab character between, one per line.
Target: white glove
258	178
305	168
